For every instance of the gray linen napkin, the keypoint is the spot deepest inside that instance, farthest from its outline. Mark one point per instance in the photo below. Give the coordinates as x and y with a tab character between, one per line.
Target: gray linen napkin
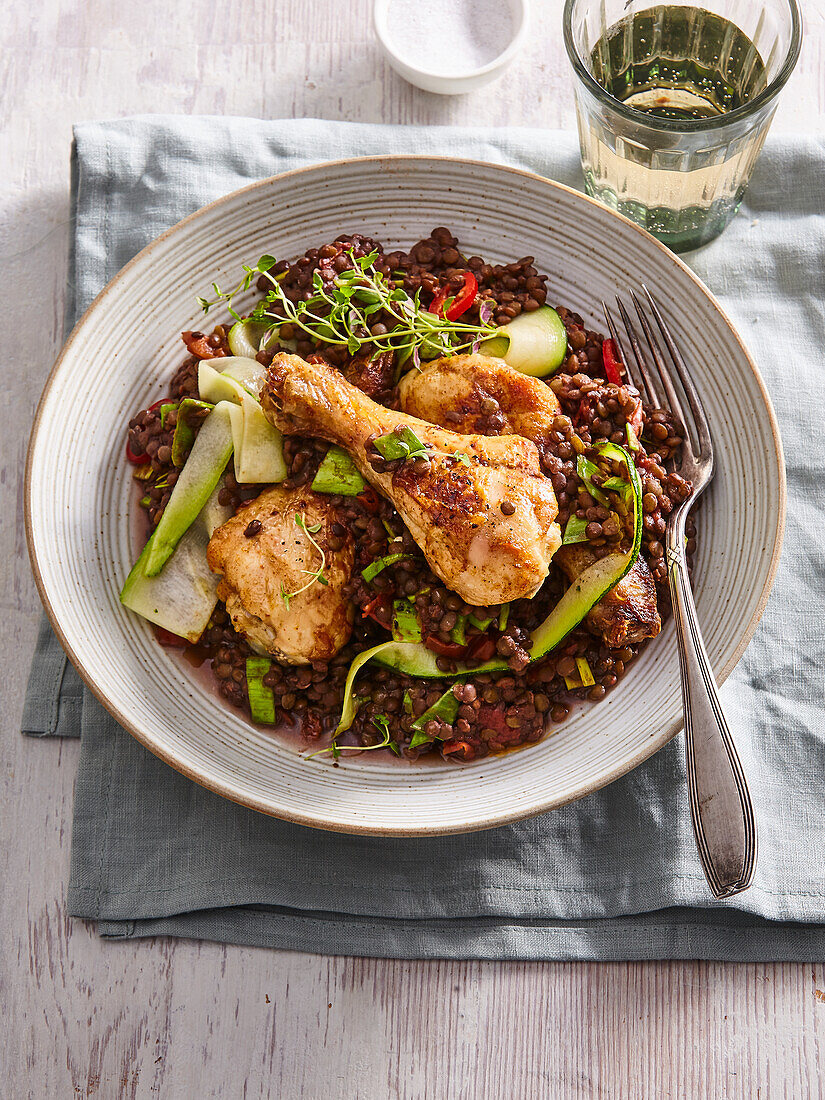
614	876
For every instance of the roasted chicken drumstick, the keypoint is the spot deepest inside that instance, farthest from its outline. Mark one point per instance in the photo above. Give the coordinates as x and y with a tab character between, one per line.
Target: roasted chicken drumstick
476	393
266	555
480	508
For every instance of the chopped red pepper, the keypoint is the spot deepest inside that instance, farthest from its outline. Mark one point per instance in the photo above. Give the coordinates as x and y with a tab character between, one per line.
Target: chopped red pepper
136	460
378	610
163	401
166	637
370	499
198	344
464	747
141	460
612	363
445	649
461	302
481	648
493	717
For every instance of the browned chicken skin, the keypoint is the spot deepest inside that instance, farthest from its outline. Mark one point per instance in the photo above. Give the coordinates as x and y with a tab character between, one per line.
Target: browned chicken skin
480	508
628	613
262	553
453	391
476	393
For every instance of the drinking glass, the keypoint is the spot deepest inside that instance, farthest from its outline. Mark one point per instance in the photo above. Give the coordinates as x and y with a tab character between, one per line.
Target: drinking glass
715	71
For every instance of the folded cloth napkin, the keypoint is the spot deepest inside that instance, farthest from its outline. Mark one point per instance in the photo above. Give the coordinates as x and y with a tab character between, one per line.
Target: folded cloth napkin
614	876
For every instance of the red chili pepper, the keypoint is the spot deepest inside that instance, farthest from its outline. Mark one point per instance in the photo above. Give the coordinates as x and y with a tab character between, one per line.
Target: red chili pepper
444	649
612	363
166	637
141	460
136	460
370	499
462	301
492	717
198	344
637	419
584	409
464	747
481	648
375	607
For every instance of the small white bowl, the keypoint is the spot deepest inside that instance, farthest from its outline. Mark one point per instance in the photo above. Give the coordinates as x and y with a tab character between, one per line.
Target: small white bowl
448	83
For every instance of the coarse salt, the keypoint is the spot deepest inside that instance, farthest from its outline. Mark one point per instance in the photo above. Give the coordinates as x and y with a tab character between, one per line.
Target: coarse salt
449	37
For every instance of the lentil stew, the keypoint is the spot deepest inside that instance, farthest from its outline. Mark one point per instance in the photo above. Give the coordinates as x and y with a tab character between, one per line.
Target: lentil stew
481	713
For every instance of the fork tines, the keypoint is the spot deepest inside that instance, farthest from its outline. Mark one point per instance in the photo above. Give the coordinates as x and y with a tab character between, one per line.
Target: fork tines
657	386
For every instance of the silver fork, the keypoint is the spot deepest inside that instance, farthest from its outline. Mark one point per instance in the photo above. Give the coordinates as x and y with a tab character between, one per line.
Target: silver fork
720	804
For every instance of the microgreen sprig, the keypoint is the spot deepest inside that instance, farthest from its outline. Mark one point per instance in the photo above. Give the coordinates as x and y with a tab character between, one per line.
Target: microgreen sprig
313	574
382	724
343	312
250	274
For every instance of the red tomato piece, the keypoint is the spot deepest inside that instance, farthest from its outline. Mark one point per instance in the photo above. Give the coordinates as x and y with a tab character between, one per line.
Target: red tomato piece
612	363
461	302
198	344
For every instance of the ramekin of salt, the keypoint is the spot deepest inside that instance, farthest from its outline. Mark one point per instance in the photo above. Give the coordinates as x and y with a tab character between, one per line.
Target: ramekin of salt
450	46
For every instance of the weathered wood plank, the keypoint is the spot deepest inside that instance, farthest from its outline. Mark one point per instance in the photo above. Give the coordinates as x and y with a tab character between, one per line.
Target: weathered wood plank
161	1018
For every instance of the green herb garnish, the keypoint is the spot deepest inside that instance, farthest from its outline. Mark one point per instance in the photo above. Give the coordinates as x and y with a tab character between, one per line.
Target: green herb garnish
382	724
400	443
314	575
343	312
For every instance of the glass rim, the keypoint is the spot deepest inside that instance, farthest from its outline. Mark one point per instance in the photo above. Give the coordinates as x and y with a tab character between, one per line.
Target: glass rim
686	126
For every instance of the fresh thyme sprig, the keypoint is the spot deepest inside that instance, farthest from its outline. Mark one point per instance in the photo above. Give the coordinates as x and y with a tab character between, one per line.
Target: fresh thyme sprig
344	313
314	575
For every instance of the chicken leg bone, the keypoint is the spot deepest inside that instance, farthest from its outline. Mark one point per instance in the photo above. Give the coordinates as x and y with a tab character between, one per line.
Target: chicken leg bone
480	508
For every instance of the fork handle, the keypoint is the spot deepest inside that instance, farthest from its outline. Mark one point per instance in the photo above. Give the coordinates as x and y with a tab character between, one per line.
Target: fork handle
720	804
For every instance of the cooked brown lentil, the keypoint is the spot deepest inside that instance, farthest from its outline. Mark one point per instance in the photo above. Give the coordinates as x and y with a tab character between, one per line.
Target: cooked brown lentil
496	711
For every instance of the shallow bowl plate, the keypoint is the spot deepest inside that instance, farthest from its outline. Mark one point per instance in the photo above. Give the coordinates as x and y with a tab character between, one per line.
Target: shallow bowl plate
123	352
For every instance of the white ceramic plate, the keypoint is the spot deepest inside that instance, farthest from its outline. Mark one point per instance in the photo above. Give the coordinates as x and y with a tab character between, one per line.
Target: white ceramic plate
121	356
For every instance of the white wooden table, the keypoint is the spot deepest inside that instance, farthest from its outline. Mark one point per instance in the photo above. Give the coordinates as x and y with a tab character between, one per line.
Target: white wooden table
161	1018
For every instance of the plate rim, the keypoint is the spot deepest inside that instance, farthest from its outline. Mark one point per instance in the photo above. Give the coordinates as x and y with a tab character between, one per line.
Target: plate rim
218	787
